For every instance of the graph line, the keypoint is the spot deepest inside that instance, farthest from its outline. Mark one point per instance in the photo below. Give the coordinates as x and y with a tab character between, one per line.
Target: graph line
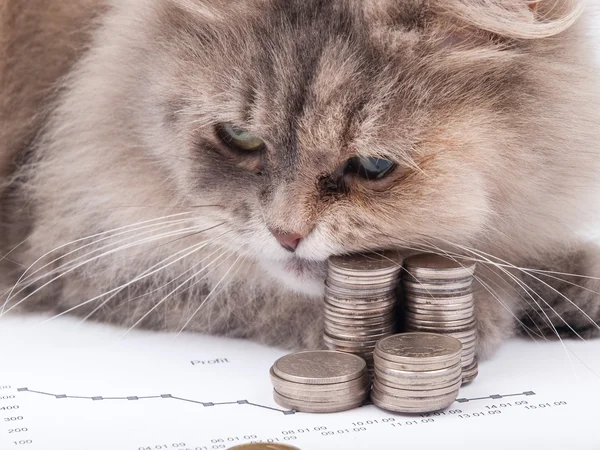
494	397
162	396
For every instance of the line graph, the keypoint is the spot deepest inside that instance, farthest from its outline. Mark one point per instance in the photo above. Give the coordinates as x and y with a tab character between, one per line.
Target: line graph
494	397
161	396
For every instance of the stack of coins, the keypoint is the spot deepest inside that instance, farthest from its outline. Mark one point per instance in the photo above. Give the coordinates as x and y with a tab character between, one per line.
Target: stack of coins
439	299
360	302
417	372
320	381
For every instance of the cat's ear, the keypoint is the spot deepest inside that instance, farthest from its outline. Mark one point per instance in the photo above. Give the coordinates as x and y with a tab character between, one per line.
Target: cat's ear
517	19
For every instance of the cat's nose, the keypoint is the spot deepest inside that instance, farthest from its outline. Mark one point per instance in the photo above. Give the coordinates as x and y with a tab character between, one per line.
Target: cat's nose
289	241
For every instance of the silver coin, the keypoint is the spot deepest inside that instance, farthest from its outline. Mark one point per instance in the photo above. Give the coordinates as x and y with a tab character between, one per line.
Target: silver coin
424	393
466	334
413	367
411	380
468	362
446	324
441	301
390	403
333	311
341	396
468	330
470	372
388	303
351	335
311	407
452	318
350	341
381	321
429	265
319	367
361	296
449	289
357	331
344	283
282	385
438	310
419	348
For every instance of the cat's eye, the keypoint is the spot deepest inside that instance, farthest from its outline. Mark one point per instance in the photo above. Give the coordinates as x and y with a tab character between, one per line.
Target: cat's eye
370	168
239	138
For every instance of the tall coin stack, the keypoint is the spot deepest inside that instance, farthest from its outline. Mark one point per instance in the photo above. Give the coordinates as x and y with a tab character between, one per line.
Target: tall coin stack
417	372
439	299
360	302
320	381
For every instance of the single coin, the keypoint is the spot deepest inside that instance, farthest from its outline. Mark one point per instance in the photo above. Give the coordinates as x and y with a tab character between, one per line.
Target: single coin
353	342
468	330
328	397
413	367
311	407
442	317
375	263
445	324
447	289
390	302
333	311
263	446
417	379
419	347
352	333
344	283
319	367
395	391
432	266
439	311
280	384
356	335
348	395
375	322
422	406
470	372
440	301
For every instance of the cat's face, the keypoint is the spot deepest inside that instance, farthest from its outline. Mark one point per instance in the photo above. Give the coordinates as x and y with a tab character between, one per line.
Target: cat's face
315	86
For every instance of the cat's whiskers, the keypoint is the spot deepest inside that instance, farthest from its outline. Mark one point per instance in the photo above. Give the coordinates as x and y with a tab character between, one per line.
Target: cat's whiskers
130	228
70	263
188	251
440	252
479	277
180	286
527	272
68	268
528	290
430	247
188	231
149	293
210	295
483	265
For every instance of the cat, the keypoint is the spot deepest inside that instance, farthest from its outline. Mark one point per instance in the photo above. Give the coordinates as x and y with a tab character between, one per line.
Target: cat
190	165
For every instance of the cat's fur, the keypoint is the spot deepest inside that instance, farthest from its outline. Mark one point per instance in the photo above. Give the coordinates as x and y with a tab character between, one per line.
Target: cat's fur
107	109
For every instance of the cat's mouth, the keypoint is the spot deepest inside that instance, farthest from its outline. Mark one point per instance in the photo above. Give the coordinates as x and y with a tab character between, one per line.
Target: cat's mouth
306	268
301	275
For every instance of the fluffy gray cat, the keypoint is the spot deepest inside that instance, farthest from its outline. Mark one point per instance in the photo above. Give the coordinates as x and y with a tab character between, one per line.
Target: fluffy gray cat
192	164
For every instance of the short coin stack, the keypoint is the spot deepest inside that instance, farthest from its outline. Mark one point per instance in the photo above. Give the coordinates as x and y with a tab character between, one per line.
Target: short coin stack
439	299
360	302
417	372
320	381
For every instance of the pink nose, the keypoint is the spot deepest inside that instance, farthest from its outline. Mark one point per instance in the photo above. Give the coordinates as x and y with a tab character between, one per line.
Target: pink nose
289	241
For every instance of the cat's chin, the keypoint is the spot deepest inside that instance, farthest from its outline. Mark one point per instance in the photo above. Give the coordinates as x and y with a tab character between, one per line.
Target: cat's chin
300	275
